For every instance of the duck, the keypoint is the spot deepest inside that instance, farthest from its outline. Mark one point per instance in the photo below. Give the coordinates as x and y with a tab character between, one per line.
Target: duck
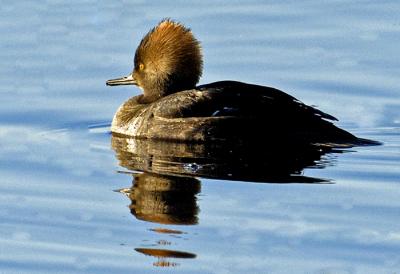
168	64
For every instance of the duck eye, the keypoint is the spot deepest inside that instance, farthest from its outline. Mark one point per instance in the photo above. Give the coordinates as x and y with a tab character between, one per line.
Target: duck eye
141	66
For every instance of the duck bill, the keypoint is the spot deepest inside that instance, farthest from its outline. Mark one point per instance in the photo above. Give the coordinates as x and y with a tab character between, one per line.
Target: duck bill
127	80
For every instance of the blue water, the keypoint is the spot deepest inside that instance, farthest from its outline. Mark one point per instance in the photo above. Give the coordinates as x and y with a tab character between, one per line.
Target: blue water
59	211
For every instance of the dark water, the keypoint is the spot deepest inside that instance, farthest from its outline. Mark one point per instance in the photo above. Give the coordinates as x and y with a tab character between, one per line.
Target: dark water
66	199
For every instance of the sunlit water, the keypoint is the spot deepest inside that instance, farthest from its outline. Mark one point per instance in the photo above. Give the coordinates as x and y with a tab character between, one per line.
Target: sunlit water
59	210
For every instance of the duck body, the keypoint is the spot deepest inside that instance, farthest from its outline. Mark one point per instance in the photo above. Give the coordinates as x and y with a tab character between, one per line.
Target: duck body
167	66
229	111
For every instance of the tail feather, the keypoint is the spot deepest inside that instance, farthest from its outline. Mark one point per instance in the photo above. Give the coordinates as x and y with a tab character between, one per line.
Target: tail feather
367	142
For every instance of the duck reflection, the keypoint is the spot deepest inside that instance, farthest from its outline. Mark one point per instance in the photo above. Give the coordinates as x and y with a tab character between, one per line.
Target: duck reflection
165	190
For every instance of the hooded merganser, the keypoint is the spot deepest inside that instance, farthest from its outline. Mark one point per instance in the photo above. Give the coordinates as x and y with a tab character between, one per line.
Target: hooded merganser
167	66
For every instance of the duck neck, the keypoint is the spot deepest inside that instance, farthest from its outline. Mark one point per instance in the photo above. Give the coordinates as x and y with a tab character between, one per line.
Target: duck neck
172	85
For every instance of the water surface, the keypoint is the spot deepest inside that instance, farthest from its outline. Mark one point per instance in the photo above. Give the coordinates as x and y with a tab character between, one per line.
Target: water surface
66	200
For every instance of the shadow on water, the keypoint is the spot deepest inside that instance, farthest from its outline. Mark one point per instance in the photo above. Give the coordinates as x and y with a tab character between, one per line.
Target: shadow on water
164	185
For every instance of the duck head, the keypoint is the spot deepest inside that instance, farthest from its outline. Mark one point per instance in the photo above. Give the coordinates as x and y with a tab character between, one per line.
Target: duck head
167	60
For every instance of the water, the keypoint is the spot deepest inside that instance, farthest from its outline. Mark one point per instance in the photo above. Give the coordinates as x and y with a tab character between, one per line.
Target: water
64	204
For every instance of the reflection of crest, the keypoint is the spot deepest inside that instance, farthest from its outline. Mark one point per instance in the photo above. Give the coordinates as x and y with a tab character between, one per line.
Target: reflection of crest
168	200
164	199
163	254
